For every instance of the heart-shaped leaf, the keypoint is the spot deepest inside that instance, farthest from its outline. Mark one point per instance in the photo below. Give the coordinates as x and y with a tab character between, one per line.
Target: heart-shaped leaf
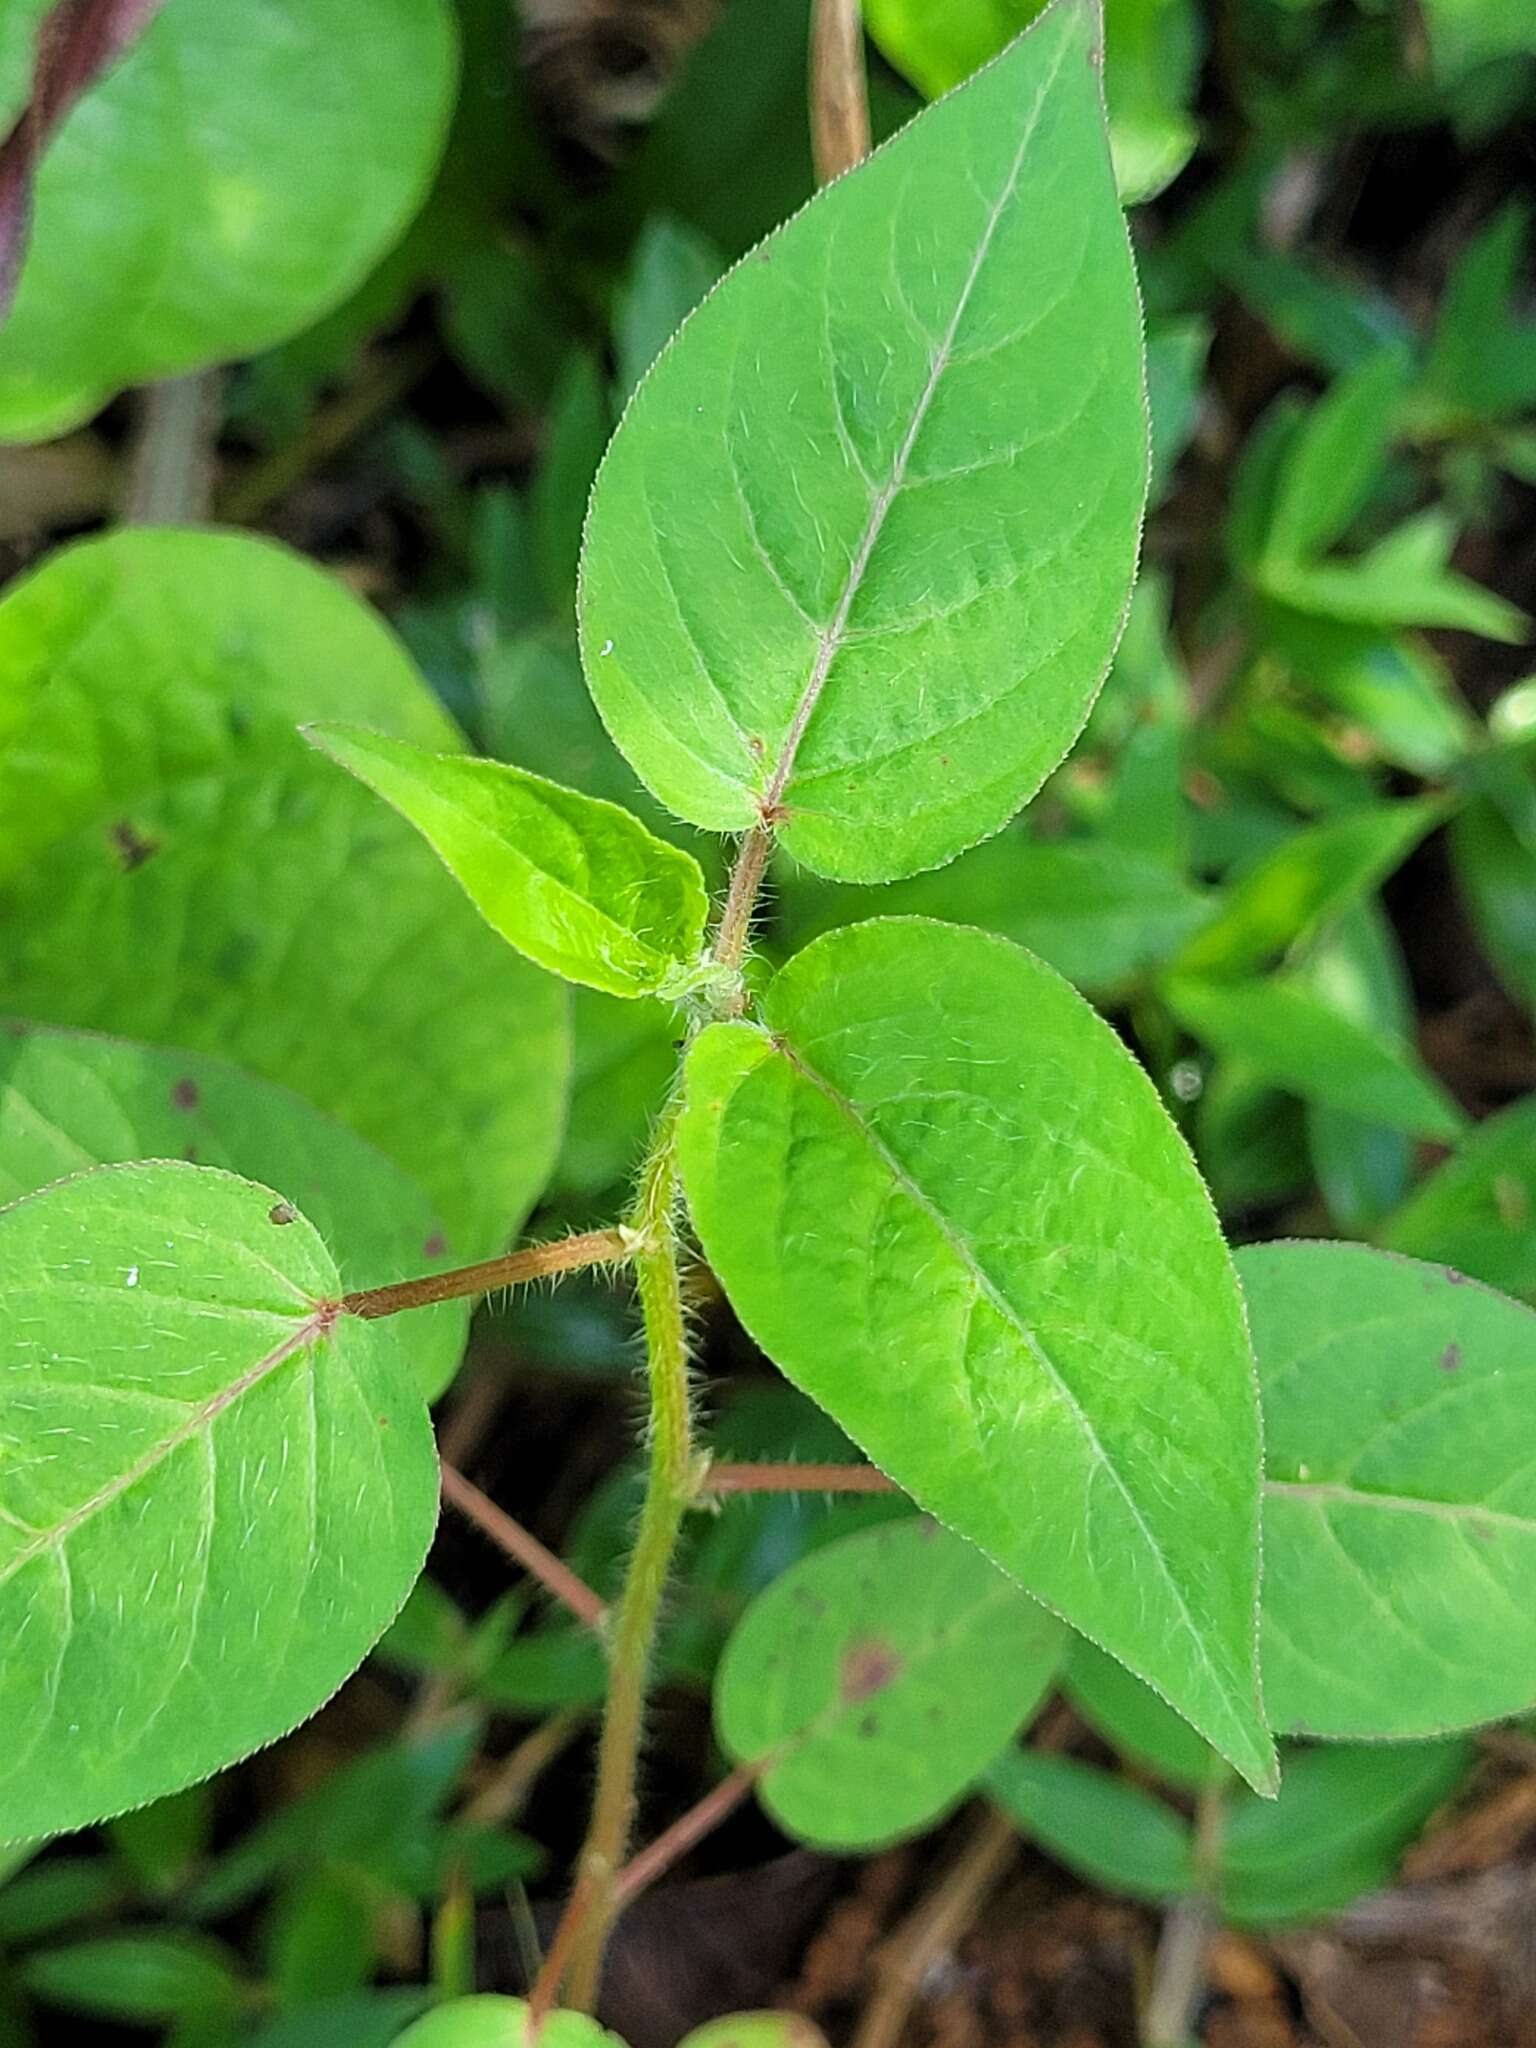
70	1101
1400	1495
578	885
876	1679
216	1489
943	1197
860	551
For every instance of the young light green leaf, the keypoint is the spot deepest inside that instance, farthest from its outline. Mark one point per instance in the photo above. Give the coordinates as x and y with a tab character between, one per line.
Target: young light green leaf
70	1101
876	1679
217	1491
941	1195
491	2022
578	885
1477	1210
1400	1515
177	866
1312	875
253	163
1335	460
1283	1031
831	578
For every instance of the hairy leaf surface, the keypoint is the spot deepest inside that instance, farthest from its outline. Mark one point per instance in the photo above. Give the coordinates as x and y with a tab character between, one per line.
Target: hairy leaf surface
578	885
1400	1504
213	1499
948	1203
70	1101
860	551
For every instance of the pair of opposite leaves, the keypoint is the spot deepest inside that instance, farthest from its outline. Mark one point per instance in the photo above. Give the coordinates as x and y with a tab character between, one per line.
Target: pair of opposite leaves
855	565
857	559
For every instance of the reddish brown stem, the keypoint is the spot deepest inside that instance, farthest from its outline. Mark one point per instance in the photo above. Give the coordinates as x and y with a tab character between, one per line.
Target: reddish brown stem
839	91
741	897
673	1844
723	1479
522	1545
513	1269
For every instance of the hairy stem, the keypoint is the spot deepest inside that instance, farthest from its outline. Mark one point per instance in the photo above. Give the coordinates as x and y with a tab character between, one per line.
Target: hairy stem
513	1269
685	1833
576	1954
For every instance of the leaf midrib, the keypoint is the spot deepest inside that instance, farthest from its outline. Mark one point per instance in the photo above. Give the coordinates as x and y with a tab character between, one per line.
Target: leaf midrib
834	634
204	1416
1333	1493
1015	1321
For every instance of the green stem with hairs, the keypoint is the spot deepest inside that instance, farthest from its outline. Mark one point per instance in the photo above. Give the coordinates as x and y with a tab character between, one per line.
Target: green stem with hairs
576	1954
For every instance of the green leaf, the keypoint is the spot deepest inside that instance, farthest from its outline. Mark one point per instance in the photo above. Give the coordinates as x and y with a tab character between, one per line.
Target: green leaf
940	1193
578	885
1342	1818
1363	1169
1482	360
672	269
756	2030
1281	1029
69	1101
579	425
1400	1516
1335	461
830	575
55	1894
488	2022
875	1681
177	866
1099	915
154	1974
1313	875
217	1493
625	1058
1113	1833
1402	581
1131	1717
1497	876
1152	53
1477	1210
236	176
1466	33
367	2020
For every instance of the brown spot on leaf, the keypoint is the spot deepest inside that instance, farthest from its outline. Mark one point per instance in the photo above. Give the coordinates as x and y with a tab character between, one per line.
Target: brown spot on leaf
435	1246
1456	1279
868	1667
869	1727
186	1094
1450	1358
282	1212
132	846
